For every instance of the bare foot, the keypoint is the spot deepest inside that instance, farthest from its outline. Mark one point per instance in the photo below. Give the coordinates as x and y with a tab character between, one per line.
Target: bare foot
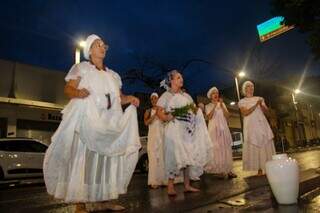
190	189
232	175
171	191
260	173
115	207
81	208
154	186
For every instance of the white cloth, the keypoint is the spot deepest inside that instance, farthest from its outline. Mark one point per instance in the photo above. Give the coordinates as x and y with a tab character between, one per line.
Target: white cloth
95	150
258	145
86	50
256	127
182	149
221	139
211	90
156	173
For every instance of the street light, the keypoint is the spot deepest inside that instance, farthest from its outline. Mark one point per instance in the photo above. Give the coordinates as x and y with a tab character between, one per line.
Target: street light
297	91
232	103
293	94
295	102
81	44
241	74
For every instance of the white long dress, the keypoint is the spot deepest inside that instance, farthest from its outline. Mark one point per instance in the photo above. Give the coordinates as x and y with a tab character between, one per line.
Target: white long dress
95	149
186	144
221	140
258	145
156	174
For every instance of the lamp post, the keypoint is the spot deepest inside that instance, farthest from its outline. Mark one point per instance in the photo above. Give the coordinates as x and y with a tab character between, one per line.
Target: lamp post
81	44
293	94
241	74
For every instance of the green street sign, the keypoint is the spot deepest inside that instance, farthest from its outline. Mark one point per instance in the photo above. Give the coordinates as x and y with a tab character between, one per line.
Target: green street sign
271	28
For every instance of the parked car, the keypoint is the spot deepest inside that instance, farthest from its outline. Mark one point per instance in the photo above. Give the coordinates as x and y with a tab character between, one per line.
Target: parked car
143	162
21	157
237	140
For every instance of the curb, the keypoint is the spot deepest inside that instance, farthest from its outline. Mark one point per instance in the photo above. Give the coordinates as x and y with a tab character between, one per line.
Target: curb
304	149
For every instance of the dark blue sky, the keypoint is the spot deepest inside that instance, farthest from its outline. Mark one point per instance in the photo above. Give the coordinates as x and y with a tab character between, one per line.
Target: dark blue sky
44	33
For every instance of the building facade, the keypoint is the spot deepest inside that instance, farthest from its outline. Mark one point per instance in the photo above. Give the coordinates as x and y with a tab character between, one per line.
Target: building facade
31	99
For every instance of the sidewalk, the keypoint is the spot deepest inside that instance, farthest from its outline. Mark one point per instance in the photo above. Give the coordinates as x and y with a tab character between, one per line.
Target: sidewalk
261	199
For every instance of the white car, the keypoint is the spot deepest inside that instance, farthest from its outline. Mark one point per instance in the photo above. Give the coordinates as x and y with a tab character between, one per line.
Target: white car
237	140
21	157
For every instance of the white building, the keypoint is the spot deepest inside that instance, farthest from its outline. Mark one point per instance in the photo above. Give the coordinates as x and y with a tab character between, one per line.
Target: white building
31	99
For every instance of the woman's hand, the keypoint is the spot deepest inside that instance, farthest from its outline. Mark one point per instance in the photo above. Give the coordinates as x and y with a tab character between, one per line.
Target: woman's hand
83	93
259	102
72	91
170	117
134	100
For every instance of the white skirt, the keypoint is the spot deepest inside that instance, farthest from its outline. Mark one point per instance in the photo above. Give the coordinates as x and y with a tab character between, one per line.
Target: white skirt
182	150
88	176
255	157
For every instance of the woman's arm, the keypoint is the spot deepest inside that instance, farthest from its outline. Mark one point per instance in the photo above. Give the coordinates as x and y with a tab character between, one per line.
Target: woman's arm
70	89
129	99
210	114
246	112
148	118
263	106
225	110
163	115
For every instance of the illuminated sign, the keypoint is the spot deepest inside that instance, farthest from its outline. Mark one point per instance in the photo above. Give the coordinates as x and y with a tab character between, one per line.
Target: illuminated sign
271	28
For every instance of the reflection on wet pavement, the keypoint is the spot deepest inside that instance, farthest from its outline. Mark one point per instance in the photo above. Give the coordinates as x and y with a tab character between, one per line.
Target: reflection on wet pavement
33	198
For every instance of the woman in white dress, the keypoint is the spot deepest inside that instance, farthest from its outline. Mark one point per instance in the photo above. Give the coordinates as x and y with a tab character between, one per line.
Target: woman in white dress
258	145
187	145
217	114
95	149
156	173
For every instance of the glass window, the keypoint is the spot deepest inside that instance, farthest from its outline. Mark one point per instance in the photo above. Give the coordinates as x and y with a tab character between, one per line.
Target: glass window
16	146
22	146
36	146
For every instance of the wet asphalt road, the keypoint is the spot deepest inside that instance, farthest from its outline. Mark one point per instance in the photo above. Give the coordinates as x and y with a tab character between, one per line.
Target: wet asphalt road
33	198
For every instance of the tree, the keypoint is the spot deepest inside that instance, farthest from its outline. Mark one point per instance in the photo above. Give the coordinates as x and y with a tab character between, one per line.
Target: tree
262	65
304	15
151	72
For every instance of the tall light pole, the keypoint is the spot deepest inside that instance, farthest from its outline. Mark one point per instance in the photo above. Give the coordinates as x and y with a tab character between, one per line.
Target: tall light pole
293	94
241	74
81	44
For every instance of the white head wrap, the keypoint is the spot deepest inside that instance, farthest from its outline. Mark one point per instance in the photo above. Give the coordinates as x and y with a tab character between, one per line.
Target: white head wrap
244	86
211	91
154	94
165	83
86	50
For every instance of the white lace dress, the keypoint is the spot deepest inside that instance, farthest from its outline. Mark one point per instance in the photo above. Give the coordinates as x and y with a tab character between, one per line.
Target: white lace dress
156	175
258	145
221	140
94	151
186	144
